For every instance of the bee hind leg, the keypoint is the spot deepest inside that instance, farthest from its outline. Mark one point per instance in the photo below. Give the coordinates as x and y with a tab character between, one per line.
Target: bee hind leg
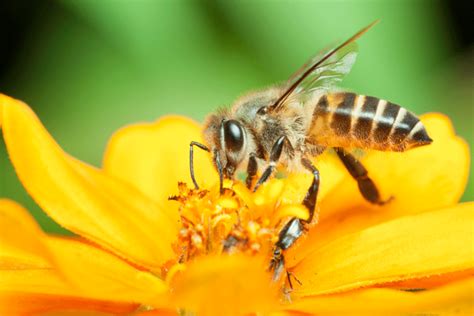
367	187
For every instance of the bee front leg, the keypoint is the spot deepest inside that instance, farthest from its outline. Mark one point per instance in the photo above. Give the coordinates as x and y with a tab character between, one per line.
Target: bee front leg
252	169
275	155
191	160
367	187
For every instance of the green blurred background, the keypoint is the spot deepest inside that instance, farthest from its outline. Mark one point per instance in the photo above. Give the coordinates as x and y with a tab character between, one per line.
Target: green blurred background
89	67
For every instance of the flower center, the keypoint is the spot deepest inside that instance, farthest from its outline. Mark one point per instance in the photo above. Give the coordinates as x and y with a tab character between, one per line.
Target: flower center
216	224
237	221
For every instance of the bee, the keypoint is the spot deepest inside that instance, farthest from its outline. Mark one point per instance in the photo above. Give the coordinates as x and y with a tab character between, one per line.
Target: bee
290	123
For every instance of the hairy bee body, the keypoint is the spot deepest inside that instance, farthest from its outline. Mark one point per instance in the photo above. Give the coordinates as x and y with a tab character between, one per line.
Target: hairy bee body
291	123
261	129
333	119
350	120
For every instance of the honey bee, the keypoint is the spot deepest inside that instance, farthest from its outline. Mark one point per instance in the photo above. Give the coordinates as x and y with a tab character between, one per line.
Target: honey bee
290	123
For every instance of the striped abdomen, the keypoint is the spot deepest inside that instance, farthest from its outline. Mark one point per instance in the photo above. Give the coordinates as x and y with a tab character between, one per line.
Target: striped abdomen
351	120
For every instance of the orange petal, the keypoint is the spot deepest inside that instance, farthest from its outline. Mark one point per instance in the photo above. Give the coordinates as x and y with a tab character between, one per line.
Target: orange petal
34	263
27	291
422	245
424	178
431	281
82	198
225	285
102	275
456	298
157	312
25	261
38	281
20	247
33	304
331	172
155	156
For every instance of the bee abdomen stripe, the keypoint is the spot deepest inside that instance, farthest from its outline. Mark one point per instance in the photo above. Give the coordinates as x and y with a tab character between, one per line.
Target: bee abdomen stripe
363	125
342	116
384	124
402	127
419	134
322	107
347	119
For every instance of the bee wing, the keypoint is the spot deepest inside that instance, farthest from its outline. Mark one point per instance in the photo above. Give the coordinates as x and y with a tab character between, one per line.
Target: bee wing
323	71
329	73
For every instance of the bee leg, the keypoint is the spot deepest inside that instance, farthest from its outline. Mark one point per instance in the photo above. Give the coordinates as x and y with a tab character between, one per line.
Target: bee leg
366	186
277	263
252	169
295	227
312	194
286	238
217	161
275	155
191	159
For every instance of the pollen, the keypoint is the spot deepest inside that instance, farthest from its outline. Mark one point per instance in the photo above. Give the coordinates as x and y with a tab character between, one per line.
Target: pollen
236	221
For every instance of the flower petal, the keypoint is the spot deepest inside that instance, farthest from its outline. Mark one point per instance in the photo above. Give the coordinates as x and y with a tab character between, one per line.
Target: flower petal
424	178
32	290
154	157
225	285
82	198
33	304
423	245
36	263
455	298
39	281
19	244
102	275
331	173
158	312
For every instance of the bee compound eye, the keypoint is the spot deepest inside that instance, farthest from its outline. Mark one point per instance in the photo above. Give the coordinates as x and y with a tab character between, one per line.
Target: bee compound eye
233	135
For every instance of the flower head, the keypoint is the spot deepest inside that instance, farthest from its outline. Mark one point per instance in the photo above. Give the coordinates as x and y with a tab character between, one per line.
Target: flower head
147	243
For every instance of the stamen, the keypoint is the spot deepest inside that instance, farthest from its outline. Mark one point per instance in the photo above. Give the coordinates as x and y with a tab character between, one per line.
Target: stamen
179	267
237	220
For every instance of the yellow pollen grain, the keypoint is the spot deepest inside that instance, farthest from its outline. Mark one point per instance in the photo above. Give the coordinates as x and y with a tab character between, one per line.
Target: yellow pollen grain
197	241
227	202
238	221
253	229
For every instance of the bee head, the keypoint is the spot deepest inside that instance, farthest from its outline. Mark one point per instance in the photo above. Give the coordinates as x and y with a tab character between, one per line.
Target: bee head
227	138
232	138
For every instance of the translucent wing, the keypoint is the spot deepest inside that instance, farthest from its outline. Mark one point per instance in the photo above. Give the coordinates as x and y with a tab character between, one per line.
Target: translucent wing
323	71
329	73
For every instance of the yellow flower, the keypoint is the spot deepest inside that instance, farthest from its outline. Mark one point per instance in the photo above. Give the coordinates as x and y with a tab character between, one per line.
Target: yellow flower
139	253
